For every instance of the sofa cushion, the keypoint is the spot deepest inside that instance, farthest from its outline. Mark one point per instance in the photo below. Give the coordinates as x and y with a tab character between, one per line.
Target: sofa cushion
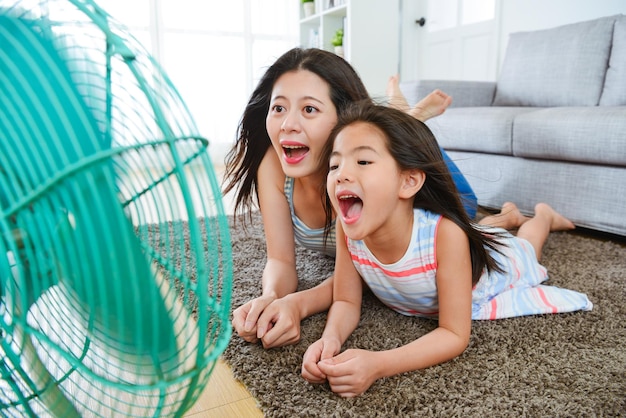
562	66
593	135
477	129
614	93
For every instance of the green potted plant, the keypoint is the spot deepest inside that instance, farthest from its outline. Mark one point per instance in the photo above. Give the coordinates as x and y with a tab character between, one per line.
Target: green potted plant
309	7
337	42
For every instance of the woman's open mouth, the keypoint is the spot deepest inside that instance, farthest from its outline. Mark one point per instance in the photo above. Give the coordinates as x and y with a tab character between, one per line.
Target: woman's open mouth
294	153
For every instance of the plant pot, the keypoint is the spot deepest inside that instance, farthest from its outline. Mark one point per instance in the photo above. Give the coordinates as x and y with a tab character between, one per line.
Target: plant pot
339	50
309	8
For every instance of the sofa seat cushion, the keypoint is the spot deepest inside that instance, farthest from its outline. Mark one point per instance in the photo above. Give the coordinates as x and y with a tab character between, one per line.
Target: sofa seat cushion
562	66
477	129
614	93
592	135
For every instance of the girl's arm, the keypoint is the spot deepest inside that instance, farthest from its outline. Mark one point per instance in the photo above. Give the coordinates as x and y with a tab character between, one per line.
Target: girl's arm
345	311
343	316
354	371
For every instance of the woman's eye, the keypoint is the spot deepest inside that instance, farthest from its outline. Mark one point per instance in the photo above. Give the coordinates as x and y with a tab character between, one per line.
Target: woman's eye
309	109
333	167
278	108
363	162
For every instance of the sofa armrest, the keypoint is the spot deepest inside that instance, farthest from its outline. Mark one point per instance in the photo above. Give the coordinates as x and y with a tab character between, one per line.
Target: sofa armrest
464	93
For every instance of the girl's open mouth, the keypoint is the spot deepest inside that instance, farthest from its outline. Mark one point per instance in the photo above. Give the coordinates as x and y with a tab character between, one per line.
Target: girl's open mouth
351	207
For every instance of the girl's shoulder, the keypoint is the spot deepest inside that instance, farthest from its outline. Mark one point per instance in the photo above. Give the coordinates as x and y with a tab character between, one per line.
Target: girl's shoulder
424	218
425	226
426	214
436	225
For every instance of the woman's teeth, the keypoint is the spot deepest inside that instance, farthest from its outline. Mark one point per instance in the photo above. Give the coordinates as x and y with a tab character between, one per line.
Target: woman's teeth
295	151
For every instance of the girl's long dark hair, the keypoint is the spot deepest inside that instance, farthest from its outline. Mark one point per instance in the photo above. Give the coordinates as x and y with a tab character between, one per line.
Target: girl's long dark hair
243	160
413	146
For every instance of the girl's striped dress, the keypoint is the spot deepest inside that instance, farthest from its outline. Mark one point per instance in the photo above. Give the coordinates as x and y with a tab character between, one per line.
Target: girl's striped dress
409	285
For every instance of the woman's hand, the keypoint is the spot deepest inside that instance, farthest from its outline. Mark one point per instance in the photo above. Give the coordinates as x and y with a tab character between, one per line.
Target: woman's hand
245	317
320	350
352	372
276	322
279	324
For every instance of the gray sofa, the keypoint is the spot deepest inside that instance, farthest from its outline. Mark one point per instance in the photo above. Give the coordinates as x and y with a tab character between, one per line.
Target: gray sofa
552	128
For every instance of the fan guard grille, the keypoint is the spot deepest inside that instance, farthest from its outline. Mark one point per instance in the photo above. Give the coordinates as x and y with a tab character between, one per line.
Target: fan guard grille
115	257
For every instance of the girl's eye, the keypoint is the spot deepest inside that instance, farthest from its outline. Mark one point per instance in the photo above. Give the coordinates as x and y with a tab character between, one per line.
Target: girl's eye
333	167
309	109
363	162
278	108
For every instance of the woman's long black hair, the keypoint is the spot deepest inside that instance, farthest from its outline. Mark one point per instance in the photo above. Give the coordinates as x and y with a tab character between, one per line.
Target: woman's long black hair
414	147
243	160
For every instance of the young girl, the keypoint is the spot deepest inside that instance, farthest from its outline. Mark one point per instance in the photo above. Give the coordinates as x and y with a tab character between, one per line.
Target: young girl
403	231
276	160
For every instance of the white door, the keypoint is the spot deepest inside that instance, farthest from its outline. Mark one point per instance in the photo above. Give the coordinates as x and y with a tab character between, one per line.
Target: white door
449	39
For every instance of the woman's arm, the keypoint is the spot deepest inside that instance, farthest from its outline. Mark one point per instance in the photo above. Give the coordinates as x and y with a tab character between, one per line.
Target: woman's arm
279	324
354	371
275	316
279	275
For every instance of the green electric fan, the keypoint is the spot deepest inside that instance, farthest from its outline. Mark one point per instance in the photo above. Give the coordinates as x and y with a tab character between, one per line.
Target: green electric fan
115	255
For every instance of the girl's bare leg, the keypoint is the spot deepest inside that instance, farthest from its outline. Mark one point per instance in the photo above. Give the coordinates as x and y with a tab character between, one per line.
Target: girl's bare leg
537	229
509	217
430	106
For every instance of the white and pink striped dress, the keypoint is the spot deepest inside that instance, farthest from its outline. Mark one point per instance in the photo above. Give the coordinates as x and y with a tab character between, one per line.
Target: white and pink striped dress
409	286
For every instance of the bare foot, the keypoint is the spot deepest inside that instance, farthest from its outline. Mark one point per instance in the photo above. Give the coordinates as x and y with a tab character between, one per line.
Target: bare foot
558	222
395	96
430	106
509	217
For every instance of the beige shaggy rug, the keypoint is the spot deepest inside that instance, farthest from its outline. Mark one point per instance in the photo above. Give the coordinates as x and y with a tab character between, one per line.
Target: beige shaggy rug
567	365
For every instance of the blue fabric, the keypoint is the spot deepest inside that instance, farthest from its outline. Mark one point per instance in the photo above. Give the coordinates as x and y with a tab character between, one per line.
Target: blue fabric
468	197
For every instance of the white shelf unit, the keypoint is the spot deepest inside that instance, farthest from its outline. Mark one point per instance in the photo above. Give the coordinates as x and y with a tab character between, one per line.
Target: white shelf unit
371	37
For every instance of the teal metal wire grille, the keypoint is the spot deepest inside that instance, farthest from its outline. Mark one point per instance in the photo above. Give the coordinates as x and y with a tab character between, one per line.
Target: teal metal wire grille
115	256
